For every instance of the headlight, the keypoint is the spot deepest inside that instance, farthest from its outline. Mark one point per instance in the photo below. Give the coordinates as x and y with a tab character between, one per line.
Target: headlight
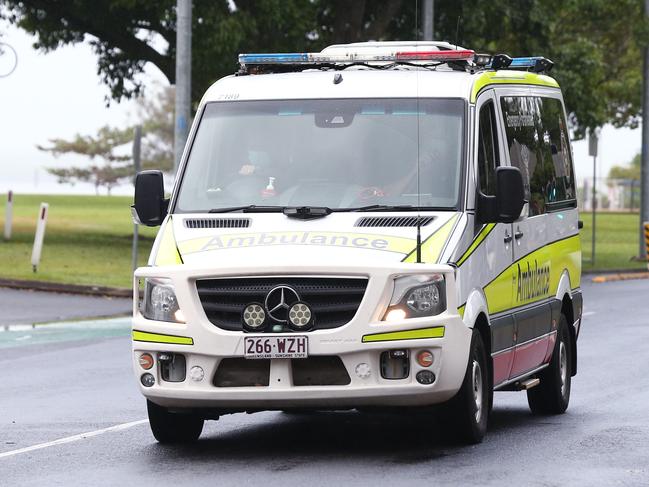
415	296
160	301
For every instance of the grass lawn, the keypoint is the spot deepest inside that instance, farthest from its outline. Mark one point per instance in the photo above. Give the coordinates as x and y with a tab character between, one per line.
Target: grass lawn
87	241
616	241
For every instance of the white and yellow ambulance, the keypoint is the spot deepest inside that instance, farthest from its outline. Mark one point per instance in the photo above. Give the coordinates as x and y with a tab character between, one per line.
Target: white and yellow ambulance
384	224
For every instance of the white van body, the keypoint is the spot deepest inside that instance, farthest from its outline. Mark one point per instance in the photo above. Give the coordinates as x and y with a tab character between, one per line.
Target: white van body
509	282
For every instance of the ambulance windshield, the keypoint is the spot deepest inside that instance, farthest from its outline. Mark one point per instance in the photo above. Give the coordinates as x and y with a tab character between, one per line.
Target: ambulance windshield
332	153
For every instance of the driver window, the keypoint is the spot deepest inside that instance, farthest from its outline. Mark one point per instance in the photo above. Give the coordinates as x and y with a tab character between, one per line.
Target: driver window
487	149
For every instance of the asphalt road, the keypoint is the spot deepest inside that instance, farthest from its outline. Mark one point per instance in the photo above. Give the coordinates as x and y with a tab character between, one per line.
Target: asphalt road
27	307
69	383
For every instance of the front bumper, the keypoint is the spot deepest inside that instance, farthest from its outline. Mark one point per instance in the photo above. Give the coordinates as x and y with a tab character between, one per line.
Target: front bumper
212	344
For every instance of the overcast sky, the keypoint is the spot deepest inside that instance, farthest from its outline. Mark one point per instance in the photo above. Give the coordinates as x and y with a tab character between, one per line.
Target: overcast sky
58	95
55	95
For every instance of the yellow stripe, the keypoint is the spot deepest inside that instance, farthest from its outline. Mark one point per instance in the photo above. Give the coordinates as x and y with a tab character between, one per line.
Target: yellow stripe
476	242
167	251
460	310
434	332
501	293
509	78
432	247
143	336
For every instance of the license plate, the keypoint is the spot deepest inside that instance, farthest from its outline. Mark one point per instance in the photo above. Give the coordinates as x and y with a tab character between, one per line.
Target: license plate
258	347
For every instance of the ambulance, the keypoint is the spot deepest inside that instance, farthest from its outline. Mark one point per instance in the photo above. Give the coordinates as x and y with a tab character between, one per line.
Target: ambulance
380	225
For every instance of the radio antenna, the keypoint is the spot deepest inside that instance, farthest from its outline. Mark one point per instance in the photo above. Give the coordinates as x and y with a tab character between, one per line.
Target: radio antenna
457	31
418	242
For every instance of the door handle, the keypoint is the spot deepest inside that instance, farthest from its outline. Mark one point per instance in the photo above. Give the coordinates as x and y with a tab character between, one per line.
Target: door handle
508	238
518	235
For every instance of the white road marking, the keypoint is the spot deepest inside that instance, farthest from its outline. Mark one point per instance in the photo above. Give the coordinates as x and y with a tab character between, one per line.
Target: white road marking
588	313
70	439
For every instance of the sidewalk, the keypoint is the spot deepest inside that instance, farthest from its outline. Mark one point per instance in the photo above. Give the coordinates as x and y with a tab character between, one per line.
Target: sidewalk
20	307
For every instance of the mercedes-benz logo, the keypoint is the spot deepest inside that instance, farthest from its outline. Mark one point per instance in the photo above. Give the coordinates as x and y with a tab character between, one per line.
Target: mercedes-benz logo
279	300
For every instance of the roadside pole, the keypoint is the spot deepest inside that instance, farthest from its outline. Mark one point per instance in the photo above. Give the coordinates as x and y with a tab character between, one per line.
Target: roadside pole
428	20
40	236
183	77
644	170
592	151
137	144
646	241
9	214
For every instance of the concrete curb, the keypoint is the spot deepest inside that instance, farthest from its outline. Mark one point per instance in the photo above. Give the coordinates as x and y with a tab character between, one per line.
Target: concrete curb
620	277
55	287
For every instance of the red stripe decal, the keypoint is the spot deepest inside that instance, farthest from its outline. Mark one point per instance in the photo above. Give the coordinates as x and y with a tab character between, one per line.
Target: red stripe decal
502	366
529	356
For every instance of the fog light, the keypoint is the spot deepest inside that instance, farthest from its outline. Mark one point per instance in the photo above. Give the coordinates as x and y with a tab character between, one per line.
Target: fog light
300	316
172	366
425	377
146	361
363	370
254	316
425	358
196	373
395	367
147	380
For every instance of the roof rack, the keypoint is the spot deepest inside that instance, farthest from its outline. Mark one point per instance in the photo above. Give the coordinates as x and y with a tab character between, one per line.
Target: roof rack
343	58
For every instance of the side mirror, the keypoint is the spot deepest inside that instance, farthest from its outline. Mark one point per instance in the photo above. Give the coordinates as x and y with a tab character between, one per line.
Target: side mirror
150	206
510	194
507	204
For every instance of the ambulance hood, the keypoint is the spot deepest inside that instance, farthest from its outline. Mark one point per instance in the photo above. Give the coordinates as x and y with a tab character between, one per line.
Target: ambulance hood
254	239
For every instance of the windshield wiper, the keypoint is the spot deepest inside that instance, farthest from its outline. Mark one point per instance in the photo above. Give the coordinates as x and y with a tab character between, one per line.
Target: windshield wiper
382	208
394	208
307	212
301	212
249	209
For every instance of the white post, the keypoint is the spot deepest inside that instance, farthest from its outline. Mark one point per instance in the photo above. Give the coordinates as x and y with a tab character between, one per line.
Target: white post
9	214
646	241
40	235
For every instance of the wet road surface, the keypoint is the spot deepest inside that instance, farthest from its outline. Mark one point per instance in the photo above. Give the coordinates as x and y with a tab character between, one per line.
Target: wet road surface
62	382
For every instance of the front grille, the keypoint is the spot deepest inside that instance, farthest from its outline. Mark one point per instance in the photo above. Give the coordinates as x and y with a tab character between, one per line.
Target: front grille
239	372
319	370
333	300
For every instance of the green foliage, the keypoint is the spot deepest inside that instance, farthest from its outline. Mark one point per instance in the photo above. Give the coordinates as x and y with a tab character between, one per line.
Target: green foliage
596	44
628	171
112	146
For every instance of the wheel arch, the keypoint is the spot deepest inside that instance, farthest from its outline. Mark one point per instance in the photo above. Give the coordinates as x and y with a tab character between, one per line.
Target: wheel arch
476	316
564	295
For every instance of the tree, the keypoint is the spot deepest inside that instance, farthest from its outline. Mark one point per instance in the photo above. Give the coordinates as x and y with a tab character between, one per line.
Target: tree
112	146
596	44
629	171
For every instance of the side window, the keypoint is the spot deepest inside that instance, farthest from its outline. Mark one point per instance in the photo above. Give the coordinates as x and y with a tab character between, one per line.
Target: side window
487	149
561	187
526	140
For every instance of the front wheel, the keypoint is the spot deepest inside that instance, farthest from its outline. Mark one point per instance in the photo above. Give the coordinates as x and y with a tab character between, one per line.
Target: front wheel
469	409
552	395
173	427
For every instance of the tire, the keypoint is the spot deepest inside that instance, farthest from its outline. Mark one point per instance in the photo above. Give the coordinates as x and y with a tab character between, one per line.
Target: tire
552	395
173	427
468	411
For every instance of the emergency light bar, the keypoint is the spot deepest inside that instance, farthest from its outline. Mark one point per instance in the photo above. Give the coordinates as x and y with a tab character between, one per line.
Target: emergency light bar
500	61
536	64
319	58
